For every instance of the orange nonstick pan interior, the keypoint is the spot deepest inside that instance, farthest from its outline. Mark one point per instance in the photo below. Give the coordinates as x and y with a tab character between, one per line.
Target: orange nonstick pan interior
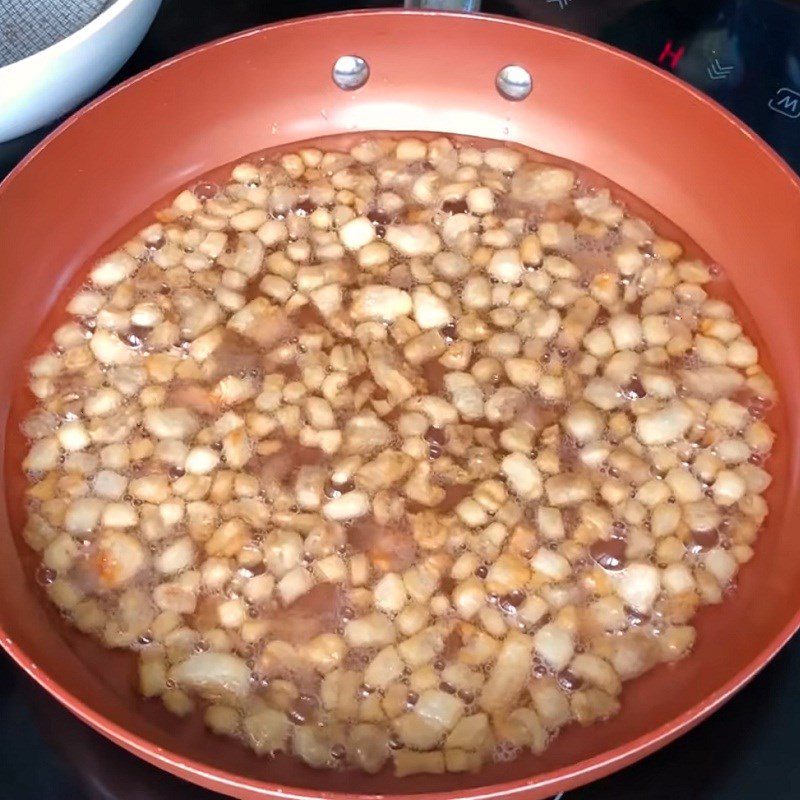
642	129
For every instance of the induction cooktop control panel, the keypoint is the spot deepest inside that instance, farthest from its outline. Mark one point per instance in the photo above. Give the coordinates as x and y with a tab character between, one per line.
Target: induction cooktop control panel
743	53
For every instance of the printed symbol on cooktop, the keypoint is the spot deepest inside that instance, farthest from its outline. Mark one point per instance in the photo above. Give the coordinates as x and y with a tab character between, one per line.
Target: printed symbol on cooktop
787	102
717	71
671	54
562	4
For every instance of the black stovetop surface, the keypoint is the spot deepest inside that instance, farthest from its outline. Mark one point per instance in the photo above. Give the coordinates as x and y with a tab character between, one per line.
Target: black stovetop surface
744	53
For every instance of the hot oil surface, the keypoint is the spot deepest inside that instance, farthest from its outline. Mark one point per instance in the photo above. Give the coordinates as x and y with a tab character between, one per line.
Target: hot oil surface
588	255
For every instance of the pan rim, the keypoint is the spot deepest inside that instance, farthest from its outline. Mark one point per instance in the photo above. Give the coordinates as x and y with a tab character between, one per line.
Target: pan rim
565	777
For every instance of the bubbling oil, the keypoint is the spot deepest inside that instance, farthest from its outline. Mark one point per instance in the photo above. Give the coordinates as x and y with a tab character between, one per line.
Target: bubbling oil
281	353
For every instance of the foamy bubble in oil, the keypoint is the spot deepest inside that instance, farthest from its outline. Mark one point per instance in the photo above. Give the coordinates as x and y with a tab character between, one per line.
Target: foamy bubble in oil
691	360
205	190
504	752
45	575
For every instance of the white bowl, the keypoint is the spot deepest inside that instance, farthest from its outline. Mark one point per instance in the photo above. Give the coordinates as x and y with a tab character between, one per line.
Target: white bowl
40	88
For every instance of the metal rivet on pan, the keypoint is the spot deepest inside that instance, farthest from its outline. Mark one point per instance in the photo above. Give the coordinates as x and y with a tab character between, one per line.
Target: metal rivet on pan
350	72
514	82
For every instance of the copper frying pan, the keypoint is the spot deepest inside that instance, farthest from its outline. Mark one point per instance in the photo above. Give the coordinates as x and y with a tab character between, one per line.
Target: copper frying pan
651	134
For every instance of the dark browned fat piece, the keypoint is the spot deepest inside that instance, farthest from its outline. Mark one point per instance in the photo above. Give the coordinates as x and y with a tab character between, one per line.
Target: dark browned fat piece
609	553
452	644
455	206
434	373
447	584
435	437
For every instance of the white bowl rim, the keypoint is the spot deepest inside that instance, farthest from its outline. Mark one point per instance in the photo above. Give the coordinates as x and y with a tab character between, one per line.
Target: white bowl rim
74	39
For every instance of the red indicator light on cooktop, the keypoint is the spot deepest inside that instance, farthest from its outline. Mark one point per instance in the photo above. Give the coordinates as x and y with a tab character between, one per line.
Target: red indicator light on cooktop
671	55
